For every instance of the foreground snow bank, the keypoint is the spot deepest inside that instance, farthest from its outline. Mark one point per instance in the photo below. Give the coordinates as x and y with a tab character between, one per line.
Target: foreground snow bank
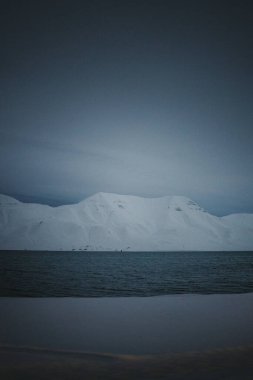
151	325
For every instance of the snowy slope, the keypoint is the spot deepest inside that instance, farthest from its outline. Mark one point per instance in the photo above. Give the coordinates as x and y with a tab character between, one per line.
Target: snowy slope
121	222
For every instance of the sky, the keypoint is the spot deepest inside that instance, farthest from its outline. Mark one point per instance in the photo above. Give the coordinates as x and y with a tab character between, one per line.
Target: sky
149	98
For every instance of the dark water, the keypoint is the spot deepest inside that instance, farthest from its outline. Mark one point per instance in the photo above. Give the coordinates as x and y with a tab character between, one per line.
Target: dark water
100	274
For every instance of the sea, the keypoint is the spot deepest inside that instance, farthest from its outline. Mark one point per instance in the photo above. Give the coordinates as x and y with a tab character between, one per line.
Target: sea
123	274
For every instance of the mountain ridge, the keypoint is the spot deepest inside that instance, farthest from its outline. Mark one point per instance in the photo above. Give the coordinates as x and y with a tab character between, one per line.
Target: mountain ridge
108	221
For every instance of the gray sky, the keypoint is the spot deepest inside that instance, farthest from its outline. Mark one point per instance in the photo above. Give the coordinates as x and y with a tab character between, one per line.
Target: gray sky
147	98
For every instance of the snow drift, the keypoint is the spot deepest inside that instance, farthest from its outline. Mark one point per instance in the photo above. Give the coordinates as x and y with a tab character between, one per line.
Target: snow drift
121	222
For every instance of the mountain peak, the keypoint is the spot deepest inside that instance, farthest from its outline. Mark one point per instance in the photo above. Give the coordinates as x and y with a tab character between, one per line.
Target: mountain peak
7	200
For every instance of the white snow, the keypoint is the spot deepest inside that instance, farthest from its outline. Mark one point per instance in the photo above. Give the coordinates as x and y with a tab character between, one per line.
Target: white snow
108	221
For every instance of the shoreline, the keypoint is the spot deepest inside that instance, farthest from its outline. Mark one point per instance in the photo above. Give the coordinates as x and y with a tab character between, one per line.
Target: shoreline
77	250
110	355
30	363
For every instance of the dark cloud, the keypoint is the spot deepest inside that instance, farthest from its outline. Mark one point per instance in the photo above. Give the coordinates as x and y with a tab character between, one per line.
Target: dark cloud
148	98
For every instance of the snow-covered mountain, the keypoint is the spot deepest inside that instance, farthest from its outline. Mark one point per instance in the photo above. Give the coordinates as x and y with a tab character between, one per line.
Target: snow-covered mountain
121	222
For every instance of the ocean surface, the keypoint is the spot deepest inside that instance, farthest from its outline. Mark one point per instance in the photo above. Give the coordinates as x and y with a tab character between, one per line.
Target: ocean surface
110	274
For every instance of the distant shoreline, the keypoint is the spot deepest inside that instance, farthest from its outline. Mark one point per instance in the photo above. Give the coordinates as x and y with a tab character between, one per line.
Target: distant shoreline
122	251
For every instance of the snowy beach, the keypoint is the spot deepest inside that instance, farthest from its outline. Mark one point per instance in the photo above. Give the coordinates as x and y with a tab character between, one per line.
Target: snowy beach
100	336
134	325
